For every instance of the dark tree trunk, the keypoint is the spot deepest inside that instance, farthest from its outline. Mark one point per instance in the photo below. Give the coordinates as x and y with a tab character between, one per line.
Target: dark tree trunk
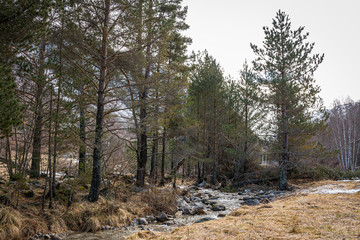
97	155
49	158
213	180
82	148
285	150
154	153
162	181
199	172
38	124
142	156
183	173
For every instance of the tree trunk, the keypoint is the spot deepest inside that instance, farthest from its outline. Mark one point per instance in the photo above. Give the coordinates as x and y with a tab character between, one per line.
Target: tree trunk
215	142
49	158
162	181
97	155
285	150
38	124
154	153
82	148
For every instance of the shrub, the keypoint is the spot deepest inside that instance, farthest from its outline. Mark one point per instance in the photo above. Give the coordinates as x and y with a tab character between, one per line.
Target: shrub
161	200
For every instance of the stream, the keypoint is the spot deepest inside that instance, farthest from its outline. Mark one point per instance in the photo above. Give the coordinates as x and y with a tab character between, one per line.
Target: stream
200	204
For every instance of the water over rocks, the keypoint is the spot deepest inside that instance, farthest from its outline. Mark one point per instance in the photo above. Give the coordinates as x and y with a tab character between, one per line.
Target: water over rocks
195	205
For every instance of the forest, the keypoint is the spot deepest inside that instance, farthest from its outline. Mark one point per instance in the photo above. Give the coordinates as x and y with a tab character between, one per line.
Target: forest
101	101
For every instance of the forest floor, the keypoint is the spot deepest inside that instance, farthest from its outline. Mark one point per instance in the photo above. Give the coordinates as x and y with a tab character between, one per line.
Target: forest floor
316	210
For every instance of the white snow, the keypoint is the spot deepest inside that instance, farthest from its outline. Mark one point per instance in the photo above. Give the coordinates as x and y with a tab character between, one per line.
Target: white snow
330	189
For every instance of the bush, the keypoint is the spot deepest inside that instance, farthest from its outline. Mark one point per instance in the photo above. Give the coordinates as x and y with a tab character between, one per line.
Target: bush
161	200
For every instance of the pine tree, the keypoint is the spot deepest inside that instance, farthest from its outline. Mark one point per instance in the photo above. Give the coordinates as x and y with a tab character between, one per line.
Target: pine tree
286	67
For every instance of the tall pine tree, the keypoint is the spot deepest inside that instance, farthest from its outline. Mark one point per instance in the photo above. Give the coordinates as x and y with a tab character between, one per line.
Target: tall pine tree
286	65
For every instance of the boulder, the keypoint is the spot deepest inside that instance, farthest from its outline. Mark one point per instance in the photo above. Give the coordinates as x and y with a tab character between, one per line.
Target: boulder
186	211
202	184
252	202
195	199
142	221
218	207
198	211
162	217
150	218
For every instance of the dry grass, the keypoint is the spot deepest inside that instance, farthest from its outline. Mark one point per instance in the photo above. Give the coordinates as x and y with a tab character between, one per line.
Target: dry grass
10	223
315	216
160	200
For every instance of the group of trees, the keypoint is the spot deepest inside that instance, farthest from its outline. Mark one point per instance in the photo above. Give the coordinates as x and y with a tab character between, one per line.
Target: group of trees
83	72
344	126
111	79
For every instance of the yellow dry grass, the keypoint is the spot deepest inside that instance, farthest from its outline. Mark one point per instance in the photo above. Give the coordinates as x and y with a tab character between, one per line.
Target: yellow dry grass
301	216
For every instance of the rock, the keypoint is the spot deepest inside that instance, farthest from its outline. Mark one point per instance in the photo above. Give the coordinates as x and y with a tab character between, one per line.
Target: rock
281	194
46	236
270	197
246	197
198	205
55	237
218	207
205	201
252	202
134	222
150	219
178	214
195	199
170	223
187	199
247	191
142	221
221	215
213	198
202	184
186	211
105	228
182	203
261	192
198	211
204	219
29	193
198	195
162	217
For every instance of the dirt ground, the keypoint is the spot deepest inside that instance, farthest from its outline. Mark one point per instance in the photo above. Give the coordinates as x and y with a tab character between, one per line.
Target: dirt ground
306	214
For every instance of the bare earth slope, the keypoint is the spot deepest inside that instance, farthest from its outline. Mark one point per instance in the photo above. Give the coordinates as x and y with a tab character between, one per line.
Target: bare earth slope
317	212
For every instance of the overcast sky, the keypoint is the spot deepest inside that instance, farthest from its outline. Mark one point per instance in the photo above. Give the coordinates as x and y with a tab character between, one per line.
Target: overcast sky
226	27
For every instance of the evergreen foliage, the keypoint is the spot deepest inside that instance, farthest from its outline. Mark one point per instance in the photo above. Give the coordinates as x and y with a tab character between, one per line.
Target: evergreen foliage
286	66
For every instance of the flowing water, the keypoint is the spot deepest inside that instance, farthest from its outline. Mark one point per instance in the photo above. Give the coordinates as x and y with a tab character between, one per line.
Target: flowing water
229	200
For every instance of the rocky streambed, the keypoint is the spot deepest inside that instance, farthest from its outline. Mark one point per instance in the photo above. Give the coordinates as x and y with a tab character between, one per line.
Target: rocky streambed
197	205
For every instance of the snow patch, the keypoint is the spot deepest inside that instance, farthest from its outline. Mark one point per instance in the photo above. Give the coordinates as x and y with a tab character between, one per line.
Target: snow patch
330	189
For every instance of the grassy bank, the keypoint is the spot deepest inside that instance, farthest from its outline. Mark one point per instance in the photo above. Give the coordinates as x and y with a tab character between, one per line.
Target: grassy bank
302	216
21	214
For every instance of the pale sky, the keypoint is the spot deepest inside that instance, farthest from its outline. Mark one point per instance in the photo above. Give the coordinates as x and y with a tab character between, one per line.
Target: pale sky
226	27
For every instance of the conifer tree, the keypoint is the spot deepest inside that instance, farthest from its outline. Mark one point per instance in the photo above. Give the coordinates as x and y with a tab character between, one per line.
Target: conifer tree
286	66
